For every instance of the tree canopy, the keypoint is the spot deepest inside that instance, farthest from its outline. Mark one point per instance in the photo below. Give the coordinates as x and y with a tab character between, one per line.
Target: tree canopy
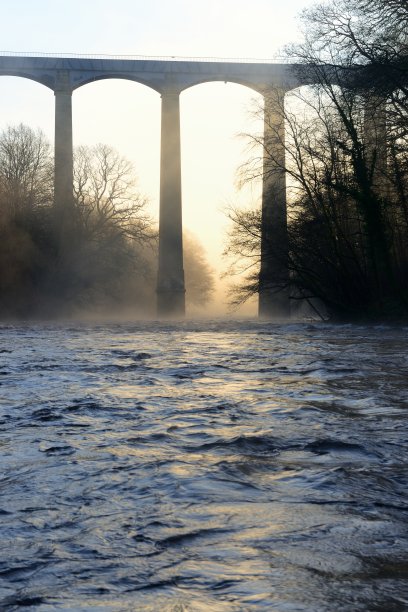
346	163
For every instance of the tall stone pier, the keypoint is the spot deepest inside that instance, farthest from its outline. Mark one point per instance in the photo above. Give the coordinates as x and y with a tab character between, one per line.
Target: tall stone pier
63	170
274	275
170	281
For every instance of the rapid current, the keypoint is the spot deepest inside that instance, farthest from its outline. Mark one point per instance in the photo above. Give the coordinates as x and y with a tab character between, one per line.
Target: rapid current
208	466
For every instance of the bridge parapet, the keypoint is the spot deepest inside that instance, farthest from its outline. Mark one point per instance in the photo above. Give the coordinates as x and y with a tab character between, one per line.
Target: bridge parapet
152	72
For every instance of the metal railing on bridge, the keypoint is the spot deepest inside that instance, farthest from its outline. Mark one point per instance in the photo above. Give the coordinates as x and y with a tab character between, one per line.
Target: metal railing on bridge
168	58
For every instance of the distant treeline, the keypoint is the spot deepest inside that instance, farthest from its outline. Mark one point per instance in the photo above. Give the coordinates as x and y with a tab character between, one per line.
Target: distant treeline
346	166
104	261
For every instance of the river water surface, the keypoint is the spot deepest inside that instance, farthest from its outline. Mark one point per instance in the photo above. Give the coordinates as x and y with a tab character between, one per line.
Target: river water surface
203	466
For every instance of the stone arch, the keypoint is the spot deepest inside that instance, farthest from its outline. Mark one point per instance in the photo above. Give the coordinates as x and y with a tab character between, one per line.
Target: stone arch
45	79
124	114
115	88
226	79
211	155
27	100
87	80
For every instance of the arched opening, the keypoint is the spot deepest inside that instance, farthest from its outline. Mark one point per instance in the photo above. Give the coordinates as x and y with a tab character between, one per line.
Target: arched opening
213	116
26	177
126	116
23	100
117	121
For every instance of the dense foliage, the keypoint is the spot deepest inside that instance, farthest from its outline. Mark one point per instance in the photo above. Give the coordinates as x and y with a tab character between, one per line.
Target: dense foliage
346	150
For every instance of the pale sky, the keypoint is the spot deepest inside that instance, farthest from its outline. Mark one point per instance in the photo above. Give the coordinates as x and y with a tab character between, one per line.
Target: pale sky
126	115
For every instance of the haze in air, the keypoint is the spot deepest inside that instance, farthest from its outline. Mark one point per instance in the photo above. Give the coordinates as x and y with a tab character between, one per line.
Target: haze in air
203	305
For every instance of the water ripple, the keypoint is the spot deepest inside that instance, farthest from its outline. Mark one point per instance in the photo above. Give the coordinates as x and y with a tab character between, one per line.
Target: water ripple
203	466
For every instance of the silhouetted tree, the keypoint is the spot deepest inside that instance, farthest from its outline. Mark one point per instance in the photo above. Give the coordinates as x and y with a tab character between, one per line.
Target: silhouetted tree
26	238
348	231
121	245
114	230
106	194
26	170
108	266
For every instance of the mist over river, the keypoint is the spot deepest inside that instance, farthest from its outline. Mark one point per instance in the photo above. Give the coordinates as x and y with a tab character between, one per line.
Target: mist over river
203	466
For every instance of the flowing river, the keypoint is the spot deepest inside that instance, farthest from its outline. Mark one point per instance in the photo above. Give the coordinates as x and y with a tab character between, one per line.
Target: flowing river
203	466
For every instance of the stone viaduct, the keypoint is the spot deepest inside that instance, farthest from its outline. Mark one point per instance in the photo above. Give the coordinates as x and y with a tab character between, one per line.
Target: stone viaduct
169	77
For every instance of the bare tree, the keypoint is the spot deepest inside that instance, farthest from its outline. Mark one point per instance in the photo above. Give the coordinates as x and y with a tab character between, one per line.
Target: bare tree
347	237
106	194
26	170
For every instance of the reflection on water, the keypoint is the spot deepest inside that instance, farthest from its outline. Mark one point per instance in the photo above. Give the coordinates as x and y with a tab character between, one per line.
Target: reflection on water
209	466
